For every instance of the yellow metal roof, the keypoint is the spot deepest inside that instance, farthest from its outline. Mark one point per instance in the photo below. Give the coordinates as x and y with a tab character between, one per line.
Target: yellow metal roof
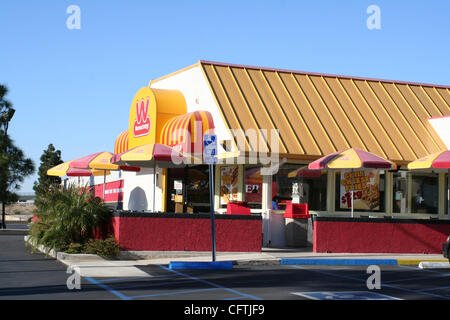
317	114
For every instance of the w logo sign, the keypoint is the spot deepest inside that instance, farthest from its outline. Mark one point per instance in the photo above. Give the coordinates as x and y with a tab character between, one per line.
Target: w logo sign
142	123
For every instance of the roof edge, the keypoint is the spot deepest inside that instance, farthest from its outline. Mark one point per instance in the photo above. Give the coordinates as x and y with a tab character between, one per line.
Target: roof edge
152	81
322	74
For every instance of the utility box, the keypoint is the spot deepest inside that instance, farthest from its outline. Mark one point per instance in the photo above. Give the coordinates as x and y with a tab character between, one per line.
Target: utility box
297	210
297	219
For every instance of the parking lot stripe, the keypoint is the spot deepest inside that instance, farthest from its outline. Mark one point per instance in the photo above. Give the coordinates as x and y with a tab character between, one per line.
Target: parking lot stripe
146	284
345	295
437	288
212	284
382	284
119	279
115	292
172	293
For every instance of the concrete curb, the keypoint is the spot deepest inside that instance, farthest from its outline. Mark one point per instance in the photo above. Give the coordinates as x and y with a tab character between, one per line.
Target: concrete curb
338	262
357	262
41	248
266	262
91	265
66	258
434	265
416	262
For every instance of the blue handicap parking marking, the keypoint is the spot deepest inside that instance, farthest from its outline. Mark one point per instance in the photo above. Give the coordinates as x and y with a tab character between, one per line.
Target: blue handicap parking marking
345	295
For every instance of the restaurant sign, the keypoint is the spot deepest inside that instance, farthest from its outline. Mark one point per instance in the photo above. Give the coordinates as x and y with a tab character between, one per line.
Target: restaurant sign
141	126
366	187
149	111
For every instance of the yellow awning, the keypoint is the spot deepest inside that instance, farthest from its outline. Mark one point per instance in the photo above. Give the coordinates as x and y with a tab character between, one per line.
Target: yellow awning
103	162
59	170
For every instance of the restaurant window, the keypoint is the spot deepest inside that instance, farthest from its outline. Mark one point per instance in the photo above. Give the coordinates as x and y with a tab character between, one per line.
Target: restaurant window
423	188
311	186
229	179
188	189
447	193
424	193
253	182
197	189
400	192
368	190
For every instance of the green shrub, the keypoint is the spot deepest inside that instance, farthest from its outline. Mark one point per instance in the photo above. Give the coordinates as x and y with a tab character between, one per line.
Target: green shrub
75	248
68	217
105	248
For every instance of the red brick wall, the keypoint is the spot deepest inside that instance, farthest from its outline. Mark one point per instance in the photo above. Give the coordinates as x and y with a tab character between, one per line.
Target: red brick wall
158	233
363	236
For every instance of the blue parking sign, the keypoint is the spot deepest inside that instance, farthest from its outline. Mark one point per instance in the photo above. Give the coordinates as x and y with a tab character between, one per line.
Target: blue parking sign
210	148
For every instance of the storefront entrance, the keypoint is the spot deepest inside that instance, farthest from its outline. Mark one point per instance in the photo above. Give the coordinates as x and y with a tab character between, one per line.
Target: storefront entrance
188	189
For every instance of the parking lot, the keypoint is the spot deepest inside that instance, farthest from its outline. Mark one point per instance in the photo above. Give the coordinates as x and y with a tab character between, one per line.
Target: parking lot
32	276
281	283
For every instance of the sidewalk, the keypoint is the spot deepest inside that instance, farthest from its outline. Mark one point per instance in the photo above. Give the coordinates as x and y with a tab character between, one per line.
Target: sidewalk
15	218
281	256
126	266
277	256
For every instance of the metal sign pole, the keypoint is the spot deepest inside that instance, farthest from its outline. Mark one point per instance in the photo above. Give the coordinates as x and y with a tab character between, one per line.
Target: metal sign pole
154	186
211	201
209	157
352	194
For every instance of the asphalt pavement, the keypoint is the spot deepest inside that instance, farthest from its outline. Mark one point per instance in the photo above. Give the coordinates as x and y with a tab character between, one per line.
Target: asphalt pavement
254	276
27	275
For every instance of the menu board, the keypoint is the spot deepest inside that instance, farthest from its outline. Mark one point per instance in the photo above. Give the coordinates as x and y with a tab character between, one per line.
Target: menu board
366	189
228	184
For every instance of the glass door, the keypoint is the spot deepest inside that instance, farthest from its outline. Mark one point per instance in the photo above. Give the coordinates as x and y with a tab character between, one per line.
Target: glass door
188	189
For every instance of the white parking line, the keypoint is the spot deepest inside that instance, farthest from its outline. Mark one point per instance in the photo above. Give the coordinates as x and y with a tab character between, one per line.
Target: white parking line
345	295
434	265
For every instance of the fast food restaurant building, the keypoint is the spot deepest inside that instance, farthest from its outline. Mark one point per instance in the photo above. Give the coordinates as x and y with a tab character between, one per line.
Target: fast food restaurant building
291	118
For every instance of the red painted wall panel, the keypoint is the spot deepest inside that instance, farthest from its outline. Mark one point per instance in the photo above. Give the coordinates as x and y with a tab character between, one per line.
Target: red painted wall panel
113	191
180	234
379	237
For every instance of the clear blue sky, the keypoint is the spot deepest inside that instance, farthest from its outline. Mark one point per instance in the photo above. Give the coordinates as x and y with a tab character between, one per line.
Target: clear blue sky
73	88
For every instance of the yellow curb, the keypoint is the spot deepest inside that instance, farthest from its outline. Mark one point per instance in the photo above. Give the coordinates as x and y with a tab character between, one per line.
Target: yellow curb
409	262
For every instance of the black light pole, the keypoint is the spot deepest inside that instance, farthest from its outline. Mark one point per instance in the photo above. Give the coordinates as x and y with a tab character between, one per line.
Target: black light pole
6	118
